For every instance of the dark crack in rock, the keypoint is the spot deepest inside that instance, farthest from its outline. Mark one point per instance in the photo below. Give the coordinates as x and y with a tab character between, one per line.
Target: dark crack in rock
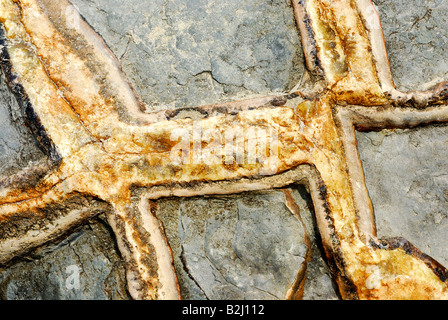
319	284
18	148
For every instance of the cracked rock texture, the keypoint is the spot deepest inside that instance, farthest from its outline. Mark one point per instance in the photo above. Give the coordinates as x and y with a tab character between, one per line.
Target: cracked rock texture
188	53
233	247
407	170
18	148
193	52
416	40
246	246
85	265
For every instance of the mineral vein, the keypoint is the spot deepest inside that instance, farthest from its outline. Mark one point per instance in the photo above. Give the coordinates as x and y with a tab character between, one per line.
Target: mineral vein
108	156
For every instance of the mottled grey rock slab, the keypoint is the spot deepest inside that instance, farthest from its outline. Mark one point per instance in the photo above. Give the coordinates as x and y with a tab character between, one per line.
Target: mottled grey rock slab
193	52
417	41
83	266
18	148
407	178
246	246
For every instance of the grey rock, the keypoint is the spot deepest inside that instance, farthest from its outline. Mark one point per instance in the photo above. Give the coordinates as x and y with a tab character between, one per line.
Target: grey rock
193	52
246	246
18	148
83	266
319	284
416	40
407	178
189	53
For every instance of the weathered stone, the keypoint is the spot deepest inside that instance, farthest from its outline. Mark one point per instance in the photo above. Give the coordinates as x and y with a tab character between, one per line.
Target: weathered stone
196	52
188	53
318	282
406	169
18	148
85	265
200	52
407	179
416	41
184	55
247	246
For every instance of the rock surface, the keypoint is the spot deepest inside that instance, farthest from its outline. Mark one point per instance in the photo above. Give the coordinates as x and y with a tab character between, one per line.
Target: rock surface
83	266
246	246
194	52
406	170
189	53
407	179
18	148
416	40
